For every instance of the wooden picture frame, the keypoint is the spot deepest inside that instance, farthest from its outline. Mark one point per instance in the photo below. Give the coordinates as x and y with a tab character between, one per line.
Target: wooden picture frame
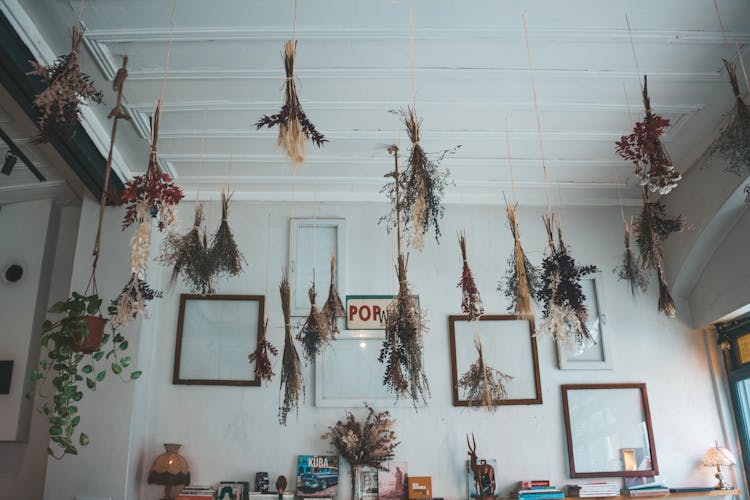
596	355
312	242
215	334
509	346
594	413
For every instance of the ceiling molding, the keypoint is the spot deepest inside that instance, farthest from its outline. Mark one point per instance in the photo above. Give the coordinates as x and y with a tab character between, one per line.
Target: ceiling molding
59	191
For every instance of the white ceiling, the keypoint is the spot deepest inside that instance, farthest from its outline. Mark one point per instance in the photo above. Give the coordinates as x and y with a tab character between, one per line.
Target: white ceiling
354	66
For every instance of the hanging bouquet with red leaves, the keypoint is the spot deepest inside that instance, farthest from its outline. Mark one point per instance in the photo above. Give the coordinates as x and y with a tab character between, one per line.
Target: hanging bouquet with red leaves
262	356
645	150
154	190
471	301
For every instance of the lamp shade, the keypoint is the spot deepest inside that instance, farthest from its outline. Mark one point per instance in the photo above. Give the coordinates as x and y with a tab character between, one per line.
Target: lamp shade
169	468
718	456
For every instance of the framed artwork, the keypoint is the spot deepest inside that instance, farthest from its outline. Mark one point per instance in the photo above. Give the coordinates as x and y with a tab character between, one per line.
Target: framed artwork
215	334
596	354
317	475
392	481
312	242
509	345
608	430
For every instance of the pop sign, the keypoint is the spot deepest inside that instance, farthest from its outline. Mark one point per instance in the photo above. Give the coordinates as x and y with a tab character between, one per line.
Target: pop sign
366	312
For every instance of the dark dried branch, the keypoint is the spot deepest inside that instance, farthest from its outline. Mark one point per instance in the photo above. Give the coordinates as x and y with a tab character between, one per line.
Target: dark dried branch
314	333
262	356
471	301
483	383
629	270
333	309
292	388
224	253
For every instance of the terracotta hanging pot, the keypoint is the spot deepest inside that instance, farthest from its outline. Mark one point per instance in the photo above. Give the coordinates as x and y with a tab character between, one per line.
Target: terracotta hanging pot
93	341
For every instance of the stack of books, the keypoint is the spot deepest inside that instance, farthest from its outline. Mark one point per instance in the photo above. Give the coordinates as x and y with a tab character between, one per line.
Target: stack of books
596	489
191	492
537	489
647	490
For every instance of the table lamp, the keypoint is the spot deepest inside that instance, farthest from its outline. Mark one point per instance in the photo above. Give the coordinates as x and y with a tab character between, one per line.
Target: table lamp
169	469
716	456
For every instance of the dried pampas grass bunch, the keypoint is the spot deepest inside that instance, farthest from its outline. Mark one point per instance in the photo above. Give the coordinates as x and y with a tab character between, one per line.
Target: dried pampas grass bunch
67	88
292	388
224	253
630	271
314	333
565	312
190	257
294	126
471	301
483	383
521	281
333	309
262	356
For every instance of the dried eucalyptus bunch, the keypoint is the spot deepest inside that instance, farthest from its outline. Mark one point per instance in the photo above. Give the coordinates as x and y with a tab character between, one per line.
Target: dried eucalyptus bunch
521	281
643	147
131	302
424	185
294	125
733	143
314	333
67	88
261	356
292	388
190	257
224	253
471	301
630	271
483	383
333	309
565	312
369	443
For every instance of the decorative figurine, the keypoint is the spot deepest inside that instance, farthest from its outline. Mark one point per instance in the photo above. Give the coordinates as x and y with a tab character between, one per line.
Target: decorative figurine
484	473
261	482
281	485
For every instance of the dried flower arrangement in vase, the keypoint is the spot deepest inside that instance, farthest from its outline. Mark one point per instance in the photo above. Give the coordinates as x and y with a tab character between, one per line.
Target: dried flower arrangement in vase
405	322
471	301
483	383
224	253
565	312
67	88
314	333
521	281
262	356
292	386
370	443
424	185
294	125
333	309
733	142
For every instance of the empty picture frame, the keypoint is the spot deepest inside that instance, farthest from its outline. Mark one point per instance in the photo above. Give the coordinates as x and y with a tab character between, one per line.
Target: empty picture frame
215	335
508	345
596	354
608	430
312	242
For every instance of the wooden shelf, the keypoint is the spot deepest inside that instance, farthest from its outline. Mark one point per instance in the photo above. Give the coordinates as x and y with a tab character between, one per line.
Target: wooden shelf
686	494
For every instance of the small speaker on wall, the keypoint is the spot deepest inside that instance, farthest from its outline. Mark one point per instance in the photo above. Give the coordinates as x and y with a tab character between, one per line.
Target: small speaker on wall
6	369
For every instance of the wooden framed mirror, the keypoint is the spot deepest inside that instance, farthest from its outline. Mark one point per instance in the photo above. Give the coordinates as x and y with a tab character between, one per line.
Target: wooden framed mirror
608	430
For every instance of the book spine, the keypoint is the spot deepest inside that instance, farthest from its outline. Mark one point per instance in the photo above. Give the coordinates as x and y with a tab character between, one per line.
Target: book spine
532	483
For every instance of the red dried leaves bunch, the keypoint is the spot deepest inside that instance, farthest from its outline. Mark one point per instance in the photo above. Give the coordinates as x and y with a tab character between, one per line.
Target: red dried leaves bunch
262	356
645	150
483	383
66	89
471	301
292	388
294	125
314	333
333	309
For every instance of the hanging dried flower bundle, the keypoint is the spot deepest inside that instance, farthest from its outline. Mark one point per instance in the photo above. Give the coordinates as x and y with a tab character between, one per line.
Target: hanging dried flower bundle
190	257
471	301
224	253
314	333
292	387
630	270
483	383
262	356
294	126
131	302
521	281
565	312
666	303
153	192
424	185
747	193
733	143
333	309
67	88
645	150
370	443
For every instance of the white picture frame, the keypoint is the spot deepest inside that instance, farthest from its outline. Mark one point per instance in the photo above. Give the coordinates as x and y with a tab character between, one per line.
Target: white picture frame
312	242
598	355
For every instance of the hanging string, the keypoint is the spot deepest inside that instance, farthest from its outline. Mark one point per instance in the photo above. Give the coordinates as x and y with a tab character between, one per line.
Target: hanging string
510	161
169	50
79	19
635	56
726	45
619	195
200	160
413	65
294	22
538	116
